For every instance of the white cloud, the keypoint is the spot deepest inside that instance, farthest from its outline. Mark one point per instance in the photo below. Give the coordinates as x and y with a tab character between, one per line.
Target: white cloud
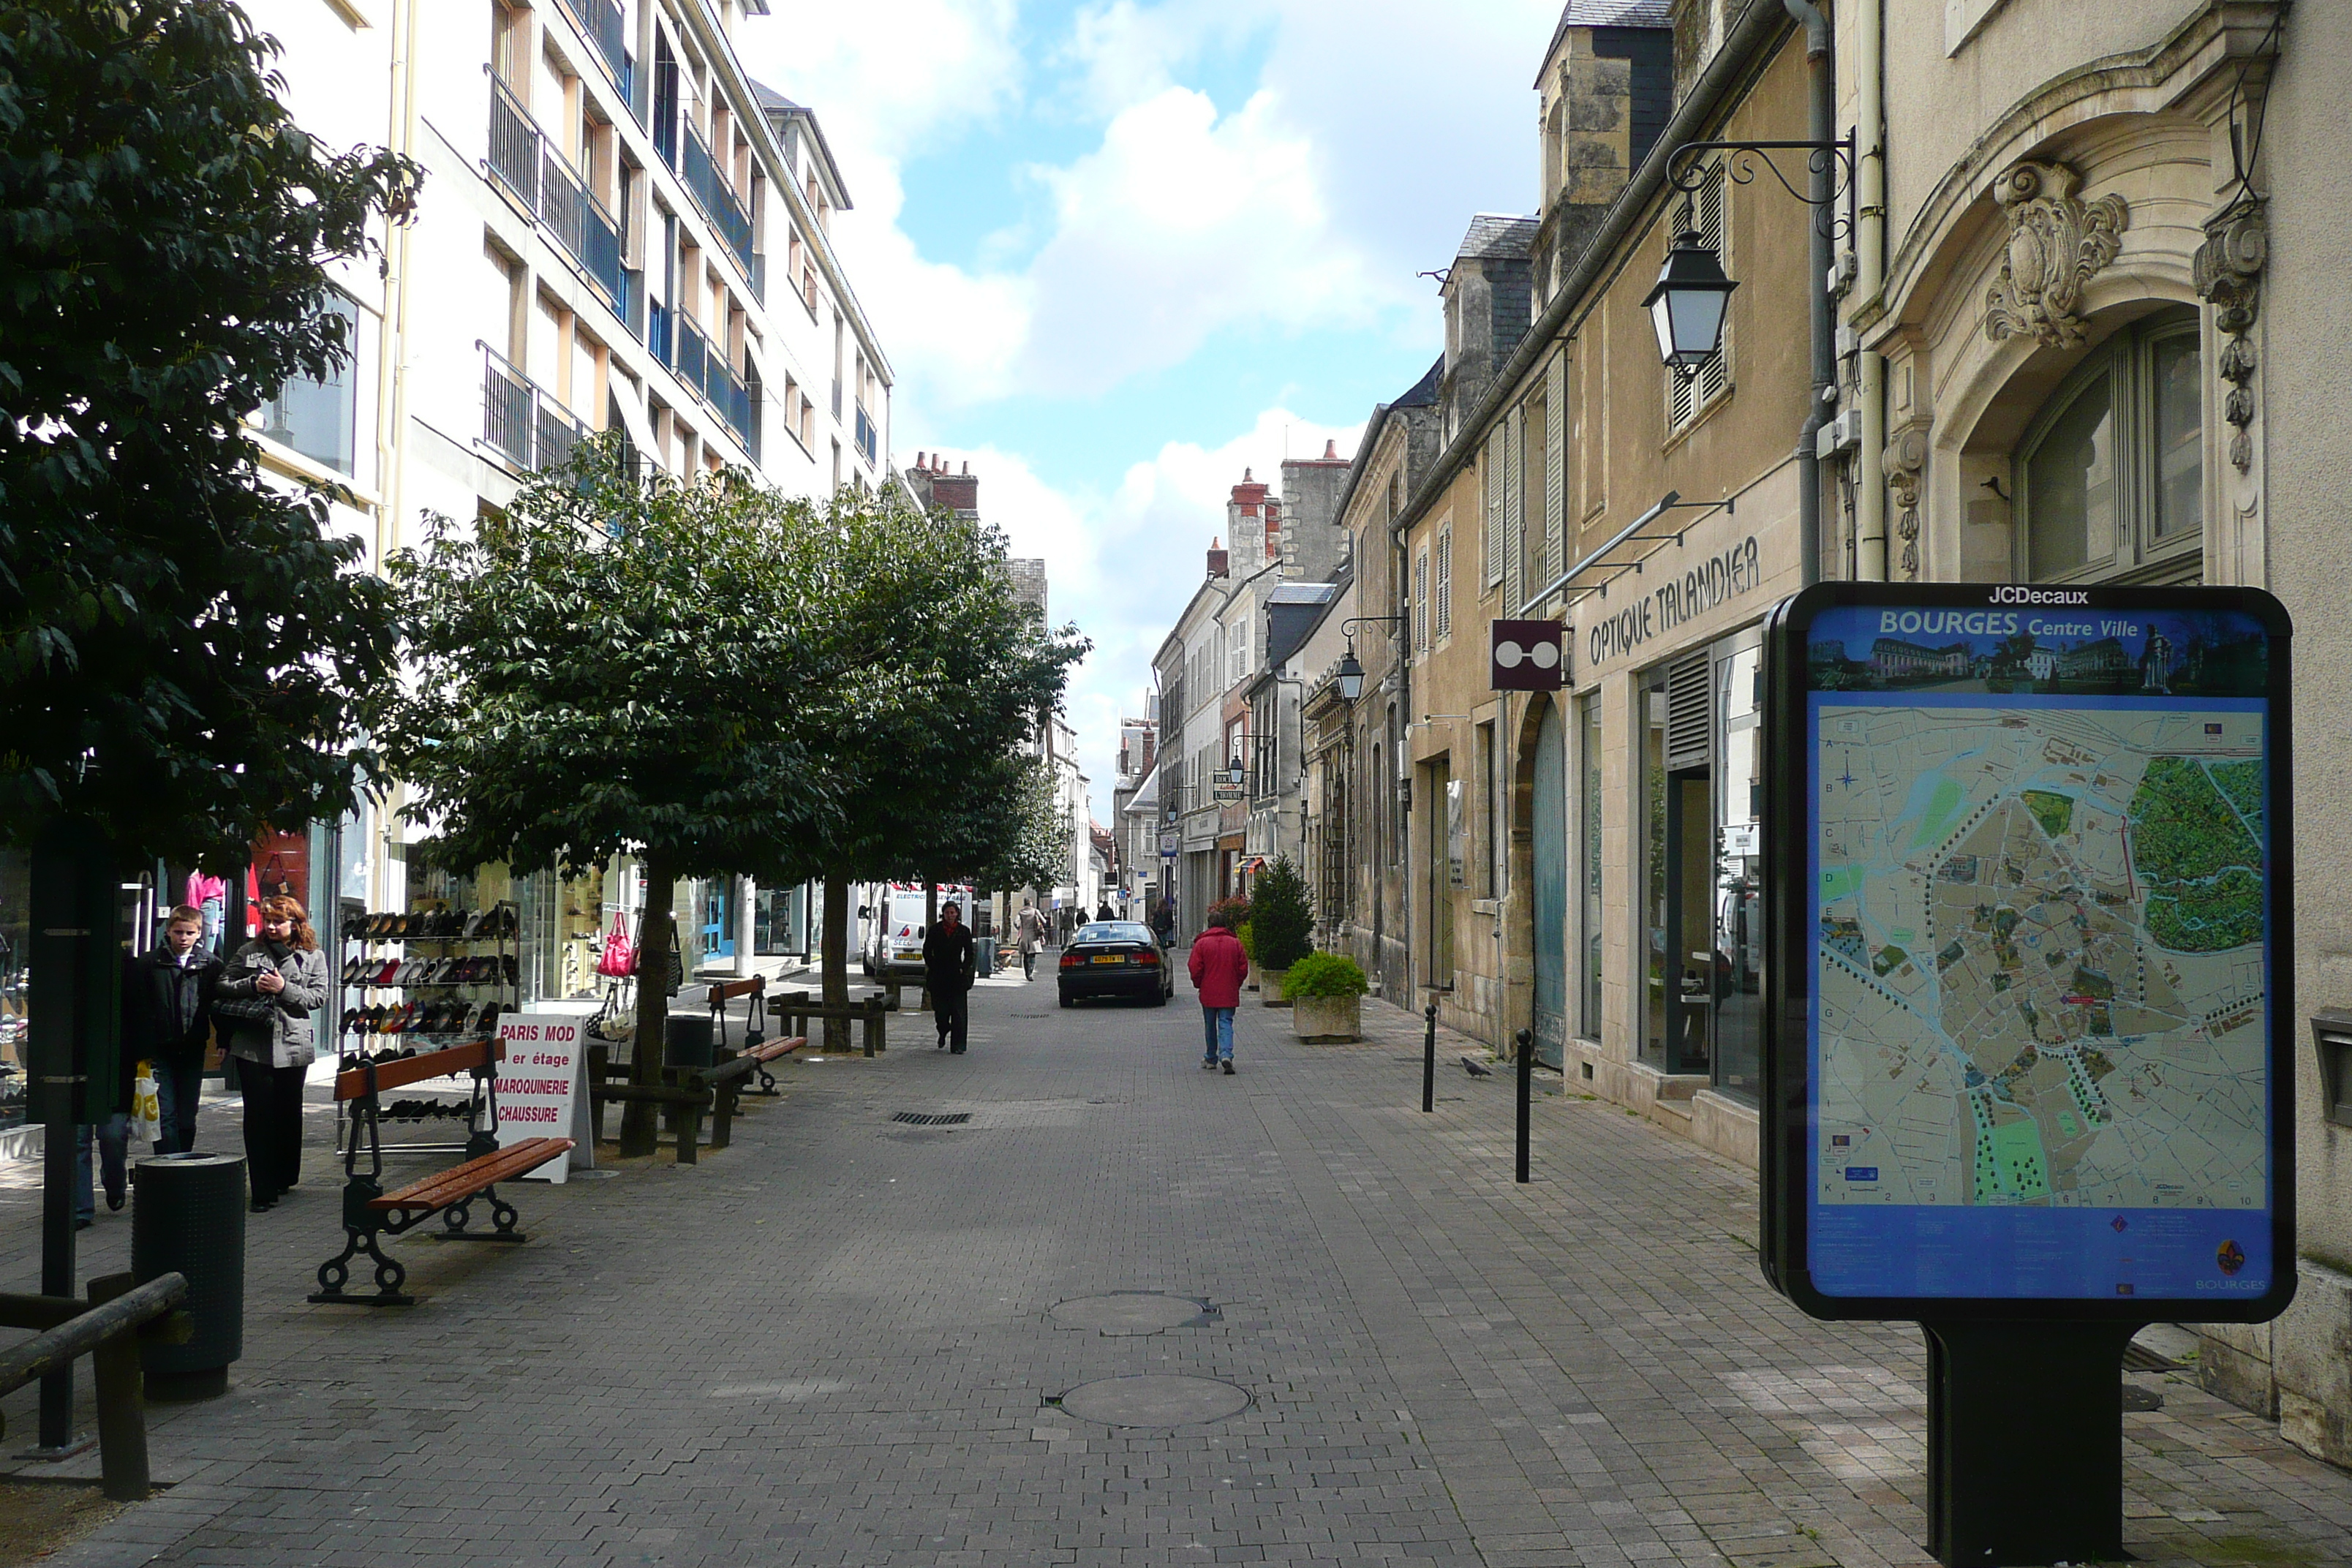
1123	565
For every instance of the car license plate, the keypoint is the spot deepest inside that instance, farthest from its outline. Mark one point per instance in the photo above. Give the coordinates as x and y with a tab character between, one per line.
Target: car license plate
1110	958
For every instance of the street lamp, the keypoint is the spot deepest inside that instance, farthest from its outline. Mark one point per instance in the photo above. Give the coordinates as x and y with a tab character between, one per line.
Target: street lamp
1351	675
1233	769
1687	304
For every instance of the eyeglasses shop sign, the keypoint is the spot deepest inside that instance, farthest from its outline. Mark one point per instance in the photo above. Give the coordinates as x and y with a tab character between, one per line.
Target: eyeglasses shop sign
1716	580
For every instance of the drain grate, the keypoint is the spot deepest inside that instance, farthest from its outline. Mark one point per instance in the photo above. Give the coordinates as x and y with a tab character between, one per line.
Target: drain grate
2138	1357
926	1119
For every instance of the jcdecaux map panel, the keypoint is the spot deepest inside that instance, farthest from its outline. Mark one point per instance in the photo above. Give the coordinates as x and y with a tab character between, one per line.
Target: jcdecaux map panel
2039	964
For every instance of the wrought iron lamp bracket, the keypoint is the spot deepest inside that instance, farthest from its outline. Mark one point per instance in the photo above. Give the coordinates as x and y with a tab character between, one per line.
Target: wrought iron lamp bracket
1688	169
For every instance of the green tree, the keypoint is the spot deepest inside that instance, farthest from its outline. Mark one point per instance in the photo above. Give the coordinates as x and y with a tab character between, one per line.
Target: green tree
180	644
936	679
1283	917
620	664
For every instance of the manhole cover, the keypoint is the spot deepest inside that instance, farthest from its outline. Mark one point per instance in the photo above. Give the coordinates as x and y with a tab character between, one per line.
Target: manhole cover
1133	1312
926	1118
1160	1400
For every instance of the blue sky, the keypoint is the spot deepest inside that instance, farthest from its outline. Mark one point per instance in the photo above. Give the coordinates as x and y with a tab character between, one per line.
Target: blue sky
1116	251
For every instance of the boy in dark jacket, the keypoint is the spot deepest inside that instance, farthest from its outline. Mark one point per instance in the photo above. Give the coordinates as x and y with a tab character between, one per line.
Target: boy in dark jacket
167	1021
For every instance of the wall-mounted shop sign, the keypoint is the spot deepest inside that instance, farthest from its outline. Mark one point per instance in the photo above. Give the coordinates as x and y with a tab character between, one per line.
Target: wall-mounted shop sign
1526	656
2028	1024
1716	578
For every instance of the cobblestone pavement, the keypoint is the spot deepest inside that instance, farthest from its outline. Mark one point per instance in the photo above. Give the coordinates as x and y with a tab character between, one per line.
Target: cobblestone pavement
836	1344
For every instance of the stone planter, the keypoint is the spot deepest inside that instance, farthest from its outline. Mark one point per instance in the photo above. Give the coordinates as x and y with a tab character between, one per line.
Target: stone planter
1328	1019
1270	987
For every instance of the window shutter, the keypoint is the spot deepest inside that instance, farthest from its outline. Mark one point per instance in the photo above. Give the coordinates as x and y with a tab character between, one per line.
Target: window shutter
1690	712
1555	467
1445	591
1515	520
1420	598
1490	532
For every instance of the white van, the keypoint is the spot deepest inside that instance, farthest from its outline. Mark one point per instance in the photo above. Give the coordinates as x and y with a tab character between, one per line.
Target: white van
894	913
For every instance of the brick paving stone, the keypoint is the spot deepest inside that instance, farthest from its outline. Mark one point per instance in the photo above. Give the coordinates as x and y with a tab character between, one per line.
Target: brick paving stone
831	1344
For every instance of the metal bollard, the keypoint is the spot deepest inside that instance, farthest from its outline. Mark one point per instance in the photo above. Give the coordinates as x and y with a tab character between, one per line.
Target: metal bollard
1429	1060
1527	1044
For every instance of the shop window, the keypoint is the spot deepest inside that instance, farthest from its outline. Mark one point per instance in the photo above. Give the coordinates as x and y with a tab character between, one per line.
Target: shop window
1490	834
1677	871
318	417
1445	869
1588	752
2110	476
1738	962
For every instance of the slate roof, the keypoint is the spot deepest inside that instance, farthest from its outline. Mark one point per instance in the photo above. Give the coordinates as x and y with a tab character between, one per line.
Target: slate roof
1609	14
1494	235
1302	593
1423	393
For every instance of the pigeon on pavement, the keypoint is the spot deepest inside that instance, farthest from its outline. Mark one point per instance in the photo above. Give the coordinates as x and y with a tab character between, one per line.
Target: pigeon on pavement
1478	1068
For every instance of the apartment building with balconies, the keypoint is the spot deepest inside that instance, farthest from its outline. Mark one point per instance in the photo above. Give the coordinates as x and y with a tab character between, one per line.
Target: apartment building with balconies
618	229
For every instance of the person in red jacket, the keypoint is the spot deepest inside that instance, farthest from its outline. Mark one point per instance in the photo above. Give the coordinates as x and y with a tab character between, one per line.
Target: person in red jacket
1219	966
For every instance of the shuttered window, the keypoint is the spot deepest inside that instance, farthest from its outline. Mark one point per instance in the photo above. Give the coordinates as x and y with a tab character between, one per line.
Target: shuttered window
1555	449
1514	511
1687	396
1420	600
1490	547
1444	589
1690	712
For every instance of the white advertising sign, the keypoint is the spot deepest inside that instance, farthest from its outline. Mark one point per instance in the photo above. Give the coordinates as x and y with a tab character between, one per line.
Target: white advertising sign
538	1082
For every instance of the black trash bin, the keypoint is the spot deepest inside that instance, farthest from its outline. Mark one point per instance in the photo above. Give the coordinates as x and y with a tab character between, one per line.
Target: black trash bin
187	1216
686	1040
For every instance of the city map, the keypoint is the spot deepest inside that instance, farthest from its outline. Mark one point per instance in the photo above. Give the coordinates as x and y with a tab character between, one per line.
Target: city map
2041	971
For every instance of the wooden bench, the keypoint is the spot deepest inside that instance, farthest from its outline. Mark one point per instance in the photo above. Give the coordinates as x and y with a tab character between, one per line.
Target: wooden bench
797	1011
725	991
370	1213
686	1093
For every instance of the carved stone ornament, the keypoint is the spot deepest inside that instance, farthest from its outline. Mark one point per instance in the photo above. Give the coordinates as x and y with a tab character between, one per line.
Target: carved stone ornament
2228	270
2057	243
1907	466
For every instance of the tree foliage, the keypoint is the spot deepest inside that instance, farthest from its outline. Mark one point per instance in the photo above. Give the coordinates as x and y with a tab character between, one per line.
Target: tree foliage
180	644
1283	915
620	663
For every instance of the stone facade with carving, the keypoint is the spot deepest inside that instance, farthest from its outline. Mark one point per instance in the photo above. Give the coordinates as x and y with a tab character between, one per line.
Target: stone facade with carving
2087	227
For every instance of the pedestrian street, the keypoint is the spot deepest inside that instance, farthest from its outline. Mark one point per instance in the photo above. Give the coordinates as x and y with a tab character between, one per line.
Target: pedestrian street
1111	1309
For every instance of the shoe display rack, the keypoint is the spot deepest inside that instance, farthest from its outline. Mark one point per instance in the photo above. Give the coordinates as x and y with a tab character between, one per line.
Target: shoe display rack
424	981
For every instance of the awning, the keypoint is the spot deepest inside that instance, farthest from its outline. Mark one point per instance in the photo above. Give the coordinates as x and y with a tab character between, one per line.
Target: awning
1256	864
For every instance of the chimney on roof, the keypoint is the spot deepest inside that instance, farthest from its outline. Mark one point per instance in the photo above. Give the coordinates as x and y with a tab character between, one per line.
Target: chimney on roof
1330	451
1220	561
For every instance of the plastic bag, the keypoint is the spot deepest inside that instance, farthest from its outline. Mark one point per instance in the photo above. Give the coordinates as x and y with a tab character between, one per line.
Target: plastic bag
146	1109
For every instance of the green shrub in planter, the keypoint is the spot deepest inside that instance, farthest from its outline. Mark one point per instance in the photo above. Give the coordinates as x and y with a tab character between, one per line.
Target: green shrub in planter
1281	915
1324	974
1247	937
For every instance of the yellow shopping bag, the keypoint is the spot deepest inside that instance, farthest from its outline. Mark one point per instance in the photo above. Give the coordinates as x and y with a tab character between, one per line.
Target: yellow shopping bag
146	1110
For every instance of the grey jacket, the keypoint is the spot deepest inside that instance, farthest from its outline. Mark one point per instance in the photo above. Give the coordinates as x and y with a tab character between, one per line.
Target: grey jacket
285	1039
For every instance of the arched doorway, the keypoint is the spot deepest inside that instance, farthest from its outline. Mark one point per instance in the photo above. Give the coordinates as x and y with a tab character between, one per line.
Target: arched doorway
1548	854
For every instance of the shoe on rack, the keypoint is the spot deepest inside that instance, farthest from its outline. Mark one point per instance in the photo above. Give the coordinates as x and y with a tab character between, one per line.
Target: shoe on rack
1229	1066
473	925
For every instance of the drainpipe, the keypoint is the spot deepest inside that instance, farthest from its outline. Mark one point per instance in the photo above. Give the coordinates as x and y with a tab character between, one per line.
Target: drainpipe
1821	73
1870	277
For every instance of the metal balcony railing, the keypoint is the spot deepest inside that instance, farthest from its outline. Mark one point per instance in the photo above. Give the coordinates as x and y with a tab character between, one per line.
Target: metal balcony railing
703	367
521	422
716	197
601	23
525	161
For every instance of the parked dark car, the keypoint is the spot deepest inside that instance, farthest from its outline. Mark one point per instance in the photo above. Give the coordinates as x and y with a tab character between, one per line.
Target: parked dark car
1115	958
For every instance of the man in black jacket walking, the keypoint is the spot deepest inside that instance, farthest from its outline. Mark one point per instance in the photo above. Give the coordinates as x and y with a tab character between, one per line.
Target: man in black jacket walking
949	960
167	1007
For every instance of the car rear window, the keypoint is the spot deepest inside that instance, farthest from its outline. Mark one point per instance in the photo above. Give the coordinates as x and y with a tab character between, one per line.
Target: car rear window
1119	930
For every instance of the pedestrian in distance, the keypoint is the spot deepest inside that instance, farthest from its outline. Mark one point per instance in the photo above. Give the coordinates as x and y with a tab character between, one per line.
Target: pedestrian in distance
951	959
1103	911
1031	928
1164	920
266	996
1218	966
167	1021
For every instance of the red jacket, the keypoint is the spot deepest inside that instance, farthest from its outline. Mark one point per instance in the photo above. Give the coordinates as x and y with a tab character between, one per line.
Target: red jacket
1219	966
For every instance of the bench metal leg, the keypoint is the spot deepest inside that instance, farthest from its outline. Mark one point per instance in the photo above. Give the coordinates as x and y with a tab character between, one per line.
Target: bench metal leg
336	1272
502	1218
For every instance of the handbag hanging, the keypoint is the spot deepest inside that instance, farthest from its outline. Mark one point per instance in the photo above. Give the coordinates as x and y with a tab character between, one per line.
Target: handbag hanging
619	958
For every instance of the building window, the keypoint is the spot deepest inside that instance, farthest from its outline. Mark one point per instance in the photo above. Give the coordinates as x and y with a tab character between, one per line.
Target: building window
1444	868
1445	586
318	417
2110	476
1588	755
1490	829
1688	396
1420	600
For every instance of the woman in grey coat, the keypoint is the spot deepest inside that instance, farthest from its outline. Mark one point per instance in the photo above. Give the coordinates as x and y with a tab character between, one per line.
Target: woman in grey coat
284	968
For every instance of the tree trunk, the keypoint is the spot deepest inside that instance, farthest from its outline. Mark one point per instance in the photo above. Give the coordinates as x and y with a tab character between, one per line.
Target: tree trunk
640	1130
837	958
